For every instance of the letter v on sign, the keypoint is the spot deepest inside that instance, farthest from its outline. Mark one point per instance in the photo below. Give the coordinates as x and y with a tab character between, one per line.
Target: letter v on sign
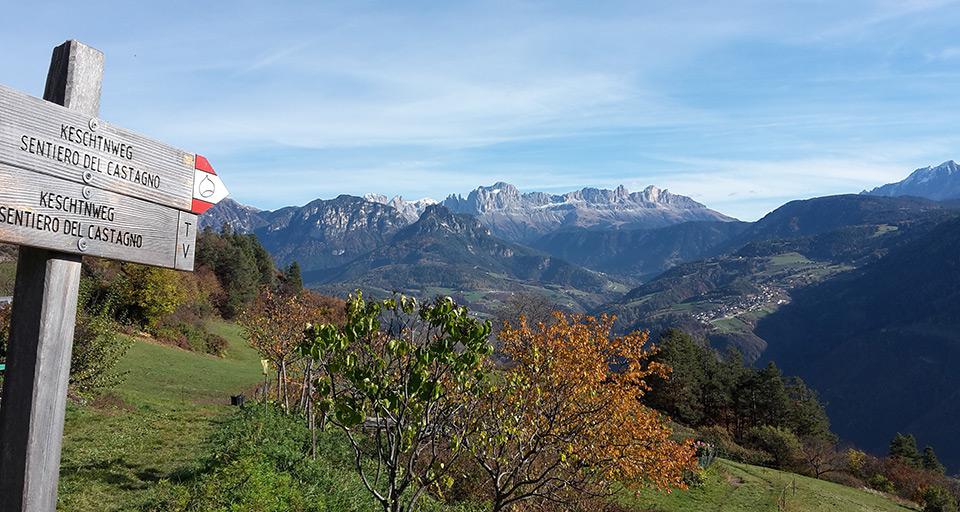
208	189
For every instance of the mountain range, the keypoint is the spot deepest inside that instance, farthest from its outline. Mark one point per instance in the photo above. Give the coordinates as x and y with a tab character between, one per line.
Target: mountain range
328	233
424	247
854	293
454	254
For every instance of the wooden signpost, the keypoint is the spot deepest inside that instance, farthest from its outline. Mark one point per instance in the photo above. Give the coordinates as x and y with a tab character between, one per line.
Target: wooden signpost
73	185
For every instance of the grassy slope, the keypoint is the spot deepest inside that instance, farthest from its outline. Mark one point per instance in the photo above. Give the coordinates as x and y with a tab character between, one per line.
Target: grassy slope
153	426
735	487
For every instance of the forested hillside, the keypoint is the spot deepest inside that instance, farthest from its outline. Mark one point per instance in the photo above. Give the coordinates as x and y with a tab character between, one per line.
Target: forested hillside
880	343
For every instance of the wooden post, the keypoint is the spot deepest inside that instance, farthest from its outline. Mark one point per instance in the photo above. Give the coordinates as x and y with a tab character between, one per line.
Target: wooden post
42	326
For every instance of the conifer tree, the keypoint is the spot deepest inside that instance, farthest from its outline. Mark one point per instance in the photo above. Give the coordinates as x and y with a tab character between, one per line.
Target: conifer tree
904	448
930	461
292	279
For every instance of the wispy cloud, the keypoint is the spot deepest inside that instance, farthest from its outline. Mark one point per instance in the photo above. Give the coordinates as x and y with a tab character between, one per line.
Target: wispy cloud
948	53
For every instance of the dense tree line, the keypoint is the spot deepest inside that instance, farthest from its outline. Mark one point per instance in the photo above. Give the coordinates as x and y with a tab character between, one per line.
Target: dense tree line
759	416
241	265
903	448
707	390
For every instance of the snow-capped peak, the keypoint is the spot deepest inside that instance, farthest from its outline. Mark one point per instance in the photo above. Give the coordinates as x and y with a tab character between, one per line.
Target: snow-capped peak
937	183
411	210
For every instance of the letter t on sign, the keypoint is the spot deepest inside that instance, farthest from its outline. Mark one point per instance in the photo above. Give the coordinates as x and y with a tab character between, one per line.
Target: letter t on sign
42	326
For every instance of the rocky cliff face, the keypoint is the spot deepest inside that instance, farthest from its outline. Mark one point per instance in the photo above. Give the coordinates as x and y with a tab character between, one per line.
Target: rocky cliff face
319	235
937	183
328	233
528	216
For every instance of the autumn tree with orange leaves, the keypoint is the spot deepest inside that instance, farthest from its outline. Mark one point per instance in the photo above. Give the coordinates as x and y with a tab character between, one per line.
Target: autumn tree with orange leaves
565	421
274	325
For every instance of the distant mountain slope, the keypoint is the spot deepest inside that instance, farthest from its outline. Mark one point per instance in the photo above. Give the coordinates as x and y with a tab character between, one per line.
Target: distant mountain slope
454	254
799	244
240	218
937	183
321	234
639	253
822	214
525	217
882	344
328	233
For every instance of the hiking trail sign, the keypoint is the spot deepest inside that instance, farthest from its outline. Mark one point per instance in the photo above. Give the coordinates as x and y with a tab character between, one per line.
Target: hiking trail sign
72	185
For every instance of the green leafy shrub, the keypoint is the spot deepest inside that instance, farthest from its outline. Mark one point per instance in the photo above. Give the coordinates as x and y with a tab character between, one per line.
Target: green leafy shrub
150	293
780	443
937	499
411	370
856	461
728	448
881	483
97	348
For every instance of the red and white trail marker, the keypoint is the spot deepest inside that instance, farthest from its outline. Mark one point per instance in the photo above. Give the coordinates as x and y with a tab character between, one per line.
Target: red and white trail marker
208	189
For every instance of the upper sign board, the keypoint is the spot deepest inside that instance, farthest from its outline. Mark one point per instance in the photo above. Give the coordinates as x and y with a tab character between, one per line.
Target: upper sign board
72	183
44	137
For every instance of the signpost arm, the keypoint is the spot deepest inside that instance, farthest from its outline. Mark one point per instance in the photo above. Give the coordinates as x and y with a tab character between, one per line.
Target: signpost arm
42	326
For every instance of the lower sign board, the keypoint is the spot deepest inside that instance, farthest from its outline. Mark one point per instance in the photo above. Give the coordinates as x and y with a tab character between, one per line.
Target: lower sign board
39	210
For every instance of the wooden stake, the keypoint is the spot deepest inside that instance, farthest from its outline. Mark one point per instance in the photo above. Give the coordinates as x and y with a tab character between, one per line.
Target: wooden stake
42	327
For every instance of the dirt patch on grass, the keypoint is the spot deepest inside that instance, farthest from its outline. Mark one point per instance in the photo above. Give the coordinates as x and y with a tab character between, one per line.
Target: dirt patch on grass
111	402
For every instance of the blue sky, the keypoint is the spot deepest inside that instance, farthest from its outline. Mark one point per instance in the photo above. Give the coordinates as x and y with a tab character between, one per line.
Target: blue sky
742	105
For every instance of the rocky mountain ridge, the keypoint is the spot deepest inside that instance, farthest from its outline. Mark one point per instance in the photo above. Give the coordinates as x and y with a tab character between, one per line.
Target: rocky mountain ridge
932	182
454	254
323	233
524	217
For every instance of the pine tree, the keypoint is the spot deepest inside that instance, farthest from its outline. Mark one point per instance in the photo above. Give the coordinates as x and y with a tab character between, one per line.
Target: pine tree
680	394
292	279
930	461
806	416
904	448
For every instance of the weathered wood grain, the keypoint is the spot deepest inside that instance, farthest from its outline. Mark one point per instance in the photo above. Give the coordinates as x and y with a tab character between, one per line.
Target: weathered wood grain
41	211
75	63
36	378
31	130
42	328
